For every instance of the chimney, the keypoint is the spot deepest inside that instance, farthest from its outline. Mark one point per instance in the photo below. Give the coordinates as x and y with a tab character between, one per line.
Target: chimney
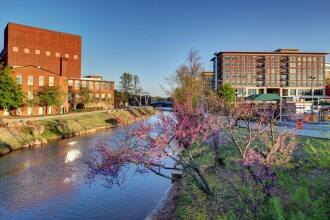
63	66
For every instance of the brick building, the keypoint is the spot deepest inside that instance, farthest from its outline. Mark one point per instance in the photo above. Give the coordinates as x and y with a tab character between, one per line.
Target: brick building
287	72
100	92
40	57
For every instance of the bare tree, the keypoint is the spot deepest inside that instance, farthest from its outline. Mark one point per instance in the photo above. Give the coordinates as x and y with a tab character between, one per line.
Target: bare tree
186	81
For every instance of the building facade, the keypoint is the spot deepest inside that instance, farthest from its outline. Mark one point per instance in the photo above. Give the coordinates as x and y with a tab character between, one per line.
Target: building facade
327	78
98	92
286	72
54	51
41	58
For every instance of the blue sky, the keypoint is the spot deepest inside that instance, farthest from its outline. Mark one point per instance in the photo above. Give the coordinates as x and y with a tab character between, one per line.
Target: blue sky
151	37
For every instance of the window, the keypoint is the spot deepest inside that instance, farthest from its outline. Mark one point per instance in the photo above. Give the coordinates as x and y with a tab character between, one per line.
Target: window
227	57
66	55
90	85
103	86
30	95
26	50
40	110
15	49
292	92
75	57
49	112
51	81
30	110
84	84
18	111
103	96
47	53
97	86
19	79
37	52
292	70
41	80
109	97
77	84
30	80
57	54
70	82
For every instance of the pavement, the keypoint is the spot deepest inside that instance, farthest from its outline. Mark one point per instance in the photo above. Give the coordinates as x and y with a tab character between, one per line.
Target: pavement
315	130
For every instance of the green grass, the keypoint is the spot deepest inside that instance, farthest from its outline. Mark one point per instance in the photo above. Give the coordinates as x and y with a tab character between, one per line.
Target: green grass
12	138
303	185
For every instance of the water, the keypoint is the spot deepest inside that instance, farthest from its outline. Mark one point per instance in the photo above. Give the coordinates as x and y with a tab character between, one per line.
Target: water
49	183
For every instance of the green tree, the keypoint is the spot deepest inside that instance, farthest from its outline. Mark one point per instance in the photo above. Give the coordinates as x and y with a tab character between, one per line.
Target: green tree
126	82
120	98
49	96
227	92
85	95
11	95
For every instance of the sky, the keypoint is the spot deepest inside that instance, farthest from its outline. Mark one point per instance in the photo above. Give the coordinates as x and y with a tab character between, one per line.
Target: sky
151	38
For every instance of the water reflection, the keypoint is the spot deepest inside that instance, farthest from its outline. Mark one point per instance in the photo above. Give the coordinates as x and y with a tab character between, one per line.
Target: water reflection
49	183
72	155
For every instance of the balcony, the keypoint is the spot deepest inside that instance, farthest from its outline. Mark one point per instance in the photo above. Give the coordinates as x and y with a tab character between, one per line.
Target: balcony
260	59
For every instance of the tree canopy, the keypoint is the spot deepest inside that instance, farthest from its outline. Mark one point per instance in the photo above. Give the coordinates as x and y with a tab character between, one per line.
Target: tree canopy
49	96
11	95
227	92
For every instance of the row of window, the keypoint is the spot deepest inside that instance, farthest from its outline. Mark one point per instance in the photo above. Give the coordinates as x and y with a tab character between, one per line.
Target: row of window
272	83
47	53
41	111
278	77
90	84
97	96
299	65
291	58
299	71
292	92
41	82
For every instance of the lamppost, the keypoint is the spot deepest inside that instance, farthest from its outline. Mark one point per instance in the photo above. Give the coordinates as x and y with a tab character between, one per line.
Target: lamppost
312	78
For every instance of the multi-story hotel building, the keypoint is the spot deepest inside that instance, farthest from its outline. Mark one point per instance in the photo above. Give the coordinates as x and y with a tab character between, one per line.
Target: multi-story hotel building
287	72
39	58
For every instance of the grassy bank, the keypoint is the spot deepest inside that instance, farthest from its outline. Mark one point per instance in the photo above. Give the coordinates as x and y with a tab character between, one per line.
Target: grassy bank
303	186
40	131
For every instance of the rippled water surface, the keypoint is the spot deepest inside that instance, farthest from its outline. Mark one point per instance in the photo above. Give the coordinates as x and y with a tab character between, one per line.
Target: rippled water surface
49	183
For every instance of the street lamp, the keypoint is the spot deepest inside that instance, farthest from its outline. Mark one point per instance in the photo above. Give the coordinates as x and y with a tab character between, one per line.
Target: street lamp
312	78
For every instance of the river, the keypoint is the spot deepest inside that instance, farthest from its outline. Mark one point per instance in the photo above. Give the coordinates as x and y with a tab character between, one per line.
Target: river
49	183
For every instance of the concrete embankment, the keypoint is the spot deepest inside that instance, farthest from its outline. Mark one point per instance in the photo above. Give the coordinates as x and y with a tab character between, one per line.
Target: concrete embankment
31	132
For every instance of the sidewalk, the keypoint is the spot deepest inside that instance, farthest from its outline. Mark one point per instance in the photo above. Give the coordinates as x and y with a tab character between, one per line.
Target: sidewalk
310	130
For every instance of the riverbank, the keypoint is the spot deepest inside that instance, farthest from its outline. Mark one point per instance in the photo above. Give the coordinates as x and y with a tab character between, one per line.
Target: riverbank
32	132
301	183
